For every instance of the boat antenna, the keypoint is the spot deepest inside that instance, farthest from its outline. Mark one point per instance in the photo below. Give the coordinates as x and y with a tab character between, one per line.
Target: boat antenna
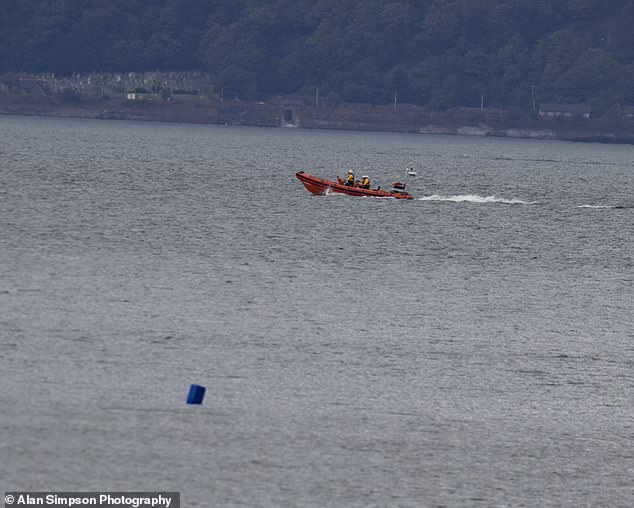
409	171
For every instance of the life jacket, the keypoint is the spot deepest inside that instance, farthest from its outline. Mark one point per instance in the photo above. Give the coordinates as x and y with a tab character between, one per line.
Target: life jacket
365	183
350	179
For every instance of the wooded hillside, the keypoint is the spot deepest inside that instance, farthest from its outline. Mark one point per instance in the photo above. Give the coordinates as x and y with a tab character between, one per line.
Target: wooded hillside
435	53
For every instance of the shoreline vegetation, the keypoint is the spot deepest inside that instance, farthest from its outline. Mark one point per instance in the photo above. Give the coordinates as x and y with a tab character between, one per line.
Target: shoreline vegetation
191	98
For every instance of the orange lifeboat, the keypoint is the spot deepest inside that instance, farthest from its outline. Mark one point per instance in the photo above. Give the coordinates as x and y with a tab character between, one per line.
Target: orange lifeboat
320	187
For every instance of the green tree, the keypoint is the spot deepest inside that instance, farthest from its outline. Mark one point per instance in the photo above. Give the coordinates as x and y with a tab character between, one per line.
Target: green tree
592	78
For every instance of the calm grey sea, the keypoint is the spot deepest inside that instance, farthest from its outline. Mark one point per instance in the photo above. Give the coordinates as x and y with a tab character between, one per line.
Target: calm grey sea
473	347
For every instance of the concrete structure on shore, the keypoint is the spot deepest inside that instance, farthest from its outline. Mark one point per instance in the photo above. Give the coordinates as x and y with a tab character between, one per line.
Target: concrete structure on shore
564	110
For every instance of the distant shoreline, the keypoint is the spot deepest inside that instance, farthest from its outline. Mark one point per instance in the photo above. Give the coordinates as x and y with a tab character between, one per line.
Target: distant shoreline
202	110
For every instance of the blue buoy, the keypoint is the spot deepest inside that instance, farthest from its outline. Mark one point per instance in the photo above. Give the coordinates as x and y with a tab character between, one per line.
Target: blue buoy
196	394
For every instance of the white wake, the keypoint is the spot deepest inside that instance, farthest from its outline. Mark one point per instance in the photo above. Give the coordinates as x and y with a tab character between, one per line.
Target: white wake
474	198
597	207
